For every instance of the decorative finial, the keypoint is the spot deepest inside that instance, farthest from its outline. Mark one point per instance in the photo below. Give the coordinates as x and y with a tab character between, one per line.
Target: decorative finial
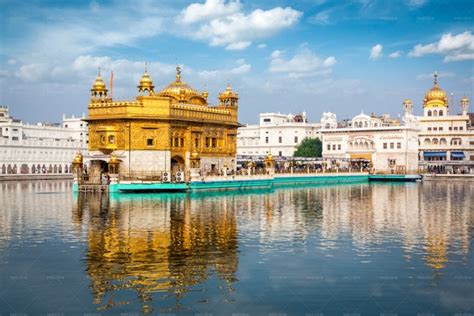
98	74
436	78
228	88
178	73
146	67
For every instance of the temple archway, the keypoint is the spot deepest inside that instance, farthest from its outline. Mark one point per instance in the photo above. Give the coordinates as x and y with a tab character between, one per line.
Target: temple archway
177	164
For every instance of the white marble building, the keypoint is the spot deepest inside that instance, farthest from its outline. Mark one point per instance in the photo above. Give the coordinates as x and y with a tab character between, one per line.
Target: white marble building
276	133
39	148
446	138
390	147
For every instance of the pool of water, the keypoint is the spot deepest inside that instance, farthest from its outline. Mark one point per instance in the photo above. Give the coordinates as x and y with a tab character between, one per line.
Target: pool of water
360	249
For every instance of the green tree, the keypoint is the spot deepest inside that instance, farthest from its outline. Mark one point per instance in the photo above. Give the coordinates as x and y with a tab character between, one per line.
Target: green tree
309	147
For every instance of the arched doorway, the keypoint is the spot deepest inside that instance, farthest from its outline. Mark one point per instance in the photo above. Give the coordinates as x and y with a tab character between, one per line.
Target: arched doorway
177	164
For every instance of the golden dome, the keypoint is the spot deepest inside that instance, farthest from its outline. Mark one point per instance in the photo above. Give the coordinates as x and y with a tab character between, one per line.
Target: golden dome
146	83
435	96
182	92
228	93
99	84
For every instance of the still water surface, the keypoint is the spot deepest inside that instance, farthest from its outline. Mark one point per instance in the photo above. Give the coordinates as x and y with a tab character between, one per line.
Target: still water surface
366	249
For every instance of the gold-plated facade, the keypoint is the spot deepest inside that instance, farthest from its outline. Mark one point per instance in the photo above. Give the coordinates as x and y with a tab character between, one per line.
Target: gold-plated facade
173	123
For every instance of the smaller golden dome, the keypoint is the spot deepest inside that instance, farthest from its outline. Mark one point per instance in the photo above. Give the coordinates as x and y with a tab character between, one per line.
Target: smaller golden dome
77	159
146	83
435	94
99	84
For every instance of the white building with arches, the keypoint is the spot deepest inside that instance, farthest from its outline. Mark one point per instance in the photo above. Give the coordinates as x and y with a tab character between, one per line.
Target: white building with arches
39	148
277	134
390	147
446	138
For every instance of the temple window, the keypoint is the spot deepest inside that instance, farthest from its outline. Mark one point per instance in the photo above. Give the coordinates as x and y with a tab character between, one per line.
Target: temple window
296	139
429	113
102	139
384	145
214	142
399	145
440	112
149	142
392	145
196	142
111	139
329	146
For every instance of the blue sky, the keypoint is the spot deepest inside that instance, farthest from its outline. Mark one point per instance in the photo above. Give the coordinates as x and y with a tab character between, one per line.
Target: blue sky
286	56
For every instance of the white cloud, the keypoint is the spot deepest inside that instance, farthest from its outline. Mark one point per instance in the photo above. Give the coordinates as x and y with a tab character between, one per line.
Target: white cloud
458	47
263	45
32	72
241	67
321	18
210	9
232	28
238	45
376	52
276	54
395	54
303	64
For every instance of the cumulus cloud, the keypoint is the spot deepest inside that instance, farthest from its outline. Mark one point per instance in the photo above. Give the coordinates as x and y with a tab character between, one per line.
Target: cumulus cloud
32	72
376	52
303	64
228	26
196	12
458	47
395	54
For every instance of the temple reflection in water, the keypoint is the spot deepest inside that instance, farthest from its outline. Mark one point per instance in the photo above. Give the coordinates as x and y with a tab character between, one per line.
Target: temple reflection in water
152	245
166	247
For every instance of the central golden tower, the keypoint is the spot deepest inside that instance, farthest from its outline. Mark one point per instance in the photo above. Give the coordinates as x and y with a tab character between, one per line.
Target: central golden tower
174	130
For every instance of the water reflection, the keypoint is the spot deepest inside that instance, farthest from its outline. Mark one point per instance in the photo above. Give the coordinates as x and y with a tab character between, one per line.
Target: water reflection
225	251
153	244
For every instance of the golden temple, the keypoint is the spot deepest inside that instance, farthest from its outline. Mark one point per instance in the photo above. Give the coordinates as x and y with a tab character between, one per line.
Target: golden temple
173	130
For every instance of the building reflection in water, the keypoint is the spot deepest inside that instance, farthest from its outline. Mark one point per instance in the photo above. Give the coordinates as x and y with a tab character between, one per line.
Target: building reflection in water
172	245
157	244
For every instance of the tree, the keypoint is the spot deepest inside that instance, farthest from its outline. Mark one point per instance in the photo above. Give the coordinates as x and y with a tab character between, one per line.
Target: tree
309	147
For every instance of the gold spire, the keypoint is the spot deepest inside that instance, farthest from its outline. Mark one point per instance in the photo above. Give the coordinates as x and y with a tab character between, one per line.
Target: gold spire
178	74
